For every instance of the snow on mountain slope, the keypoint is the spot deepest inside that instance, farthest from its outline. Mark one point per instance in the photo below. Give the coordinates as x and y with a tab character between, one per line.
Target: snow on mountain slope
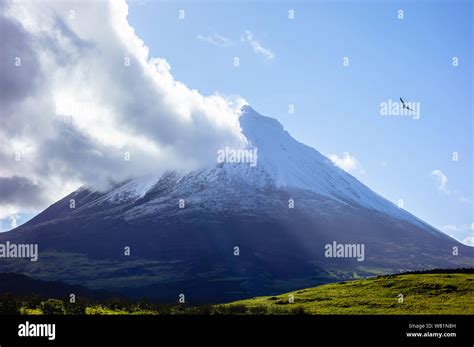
282	163
293	164
131	190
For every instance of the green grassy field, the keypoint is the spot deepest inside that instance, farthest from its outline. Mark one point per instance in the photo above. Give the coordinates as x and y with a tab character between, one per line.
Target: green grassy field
422	294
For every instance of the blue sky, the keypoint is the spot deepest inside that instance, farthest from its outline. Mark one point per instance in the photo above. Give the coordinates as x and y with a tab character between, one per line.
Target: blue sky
337	108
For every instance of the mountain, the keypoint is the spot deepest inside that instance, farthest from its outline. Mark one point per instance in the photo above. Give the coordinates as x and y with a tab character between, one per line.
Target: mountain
22	285
192	250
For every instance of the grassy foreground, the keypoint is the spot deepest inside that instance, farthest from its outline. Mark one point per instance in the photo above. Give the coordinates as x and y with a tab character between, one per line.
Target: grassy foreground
394	294
441	293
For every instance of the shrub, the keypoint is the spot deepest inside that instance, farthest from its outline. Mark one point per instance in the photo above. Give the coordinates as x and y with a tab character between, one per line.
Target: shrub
221	309
9	305
74	308
32	301
276	310
237	309
117	304
298	310
52	307
204	310
258	310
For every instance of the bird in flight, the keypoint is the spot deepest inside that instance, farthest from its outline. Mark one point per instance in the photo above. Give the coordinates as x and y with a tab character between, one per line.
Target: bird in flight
405	105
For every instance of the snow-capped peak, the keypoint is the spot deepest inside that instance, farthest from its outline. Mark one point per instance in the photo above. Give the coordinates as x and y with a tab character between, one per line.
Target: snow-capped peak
292	164
282	162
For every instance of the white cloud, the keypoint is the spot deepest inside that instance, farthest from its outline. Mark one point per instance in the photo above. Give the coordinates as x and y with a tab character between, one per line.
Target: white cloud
216	40
464	233
257	46
449	229
74	106
13	221
347	162
469	241
441	179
